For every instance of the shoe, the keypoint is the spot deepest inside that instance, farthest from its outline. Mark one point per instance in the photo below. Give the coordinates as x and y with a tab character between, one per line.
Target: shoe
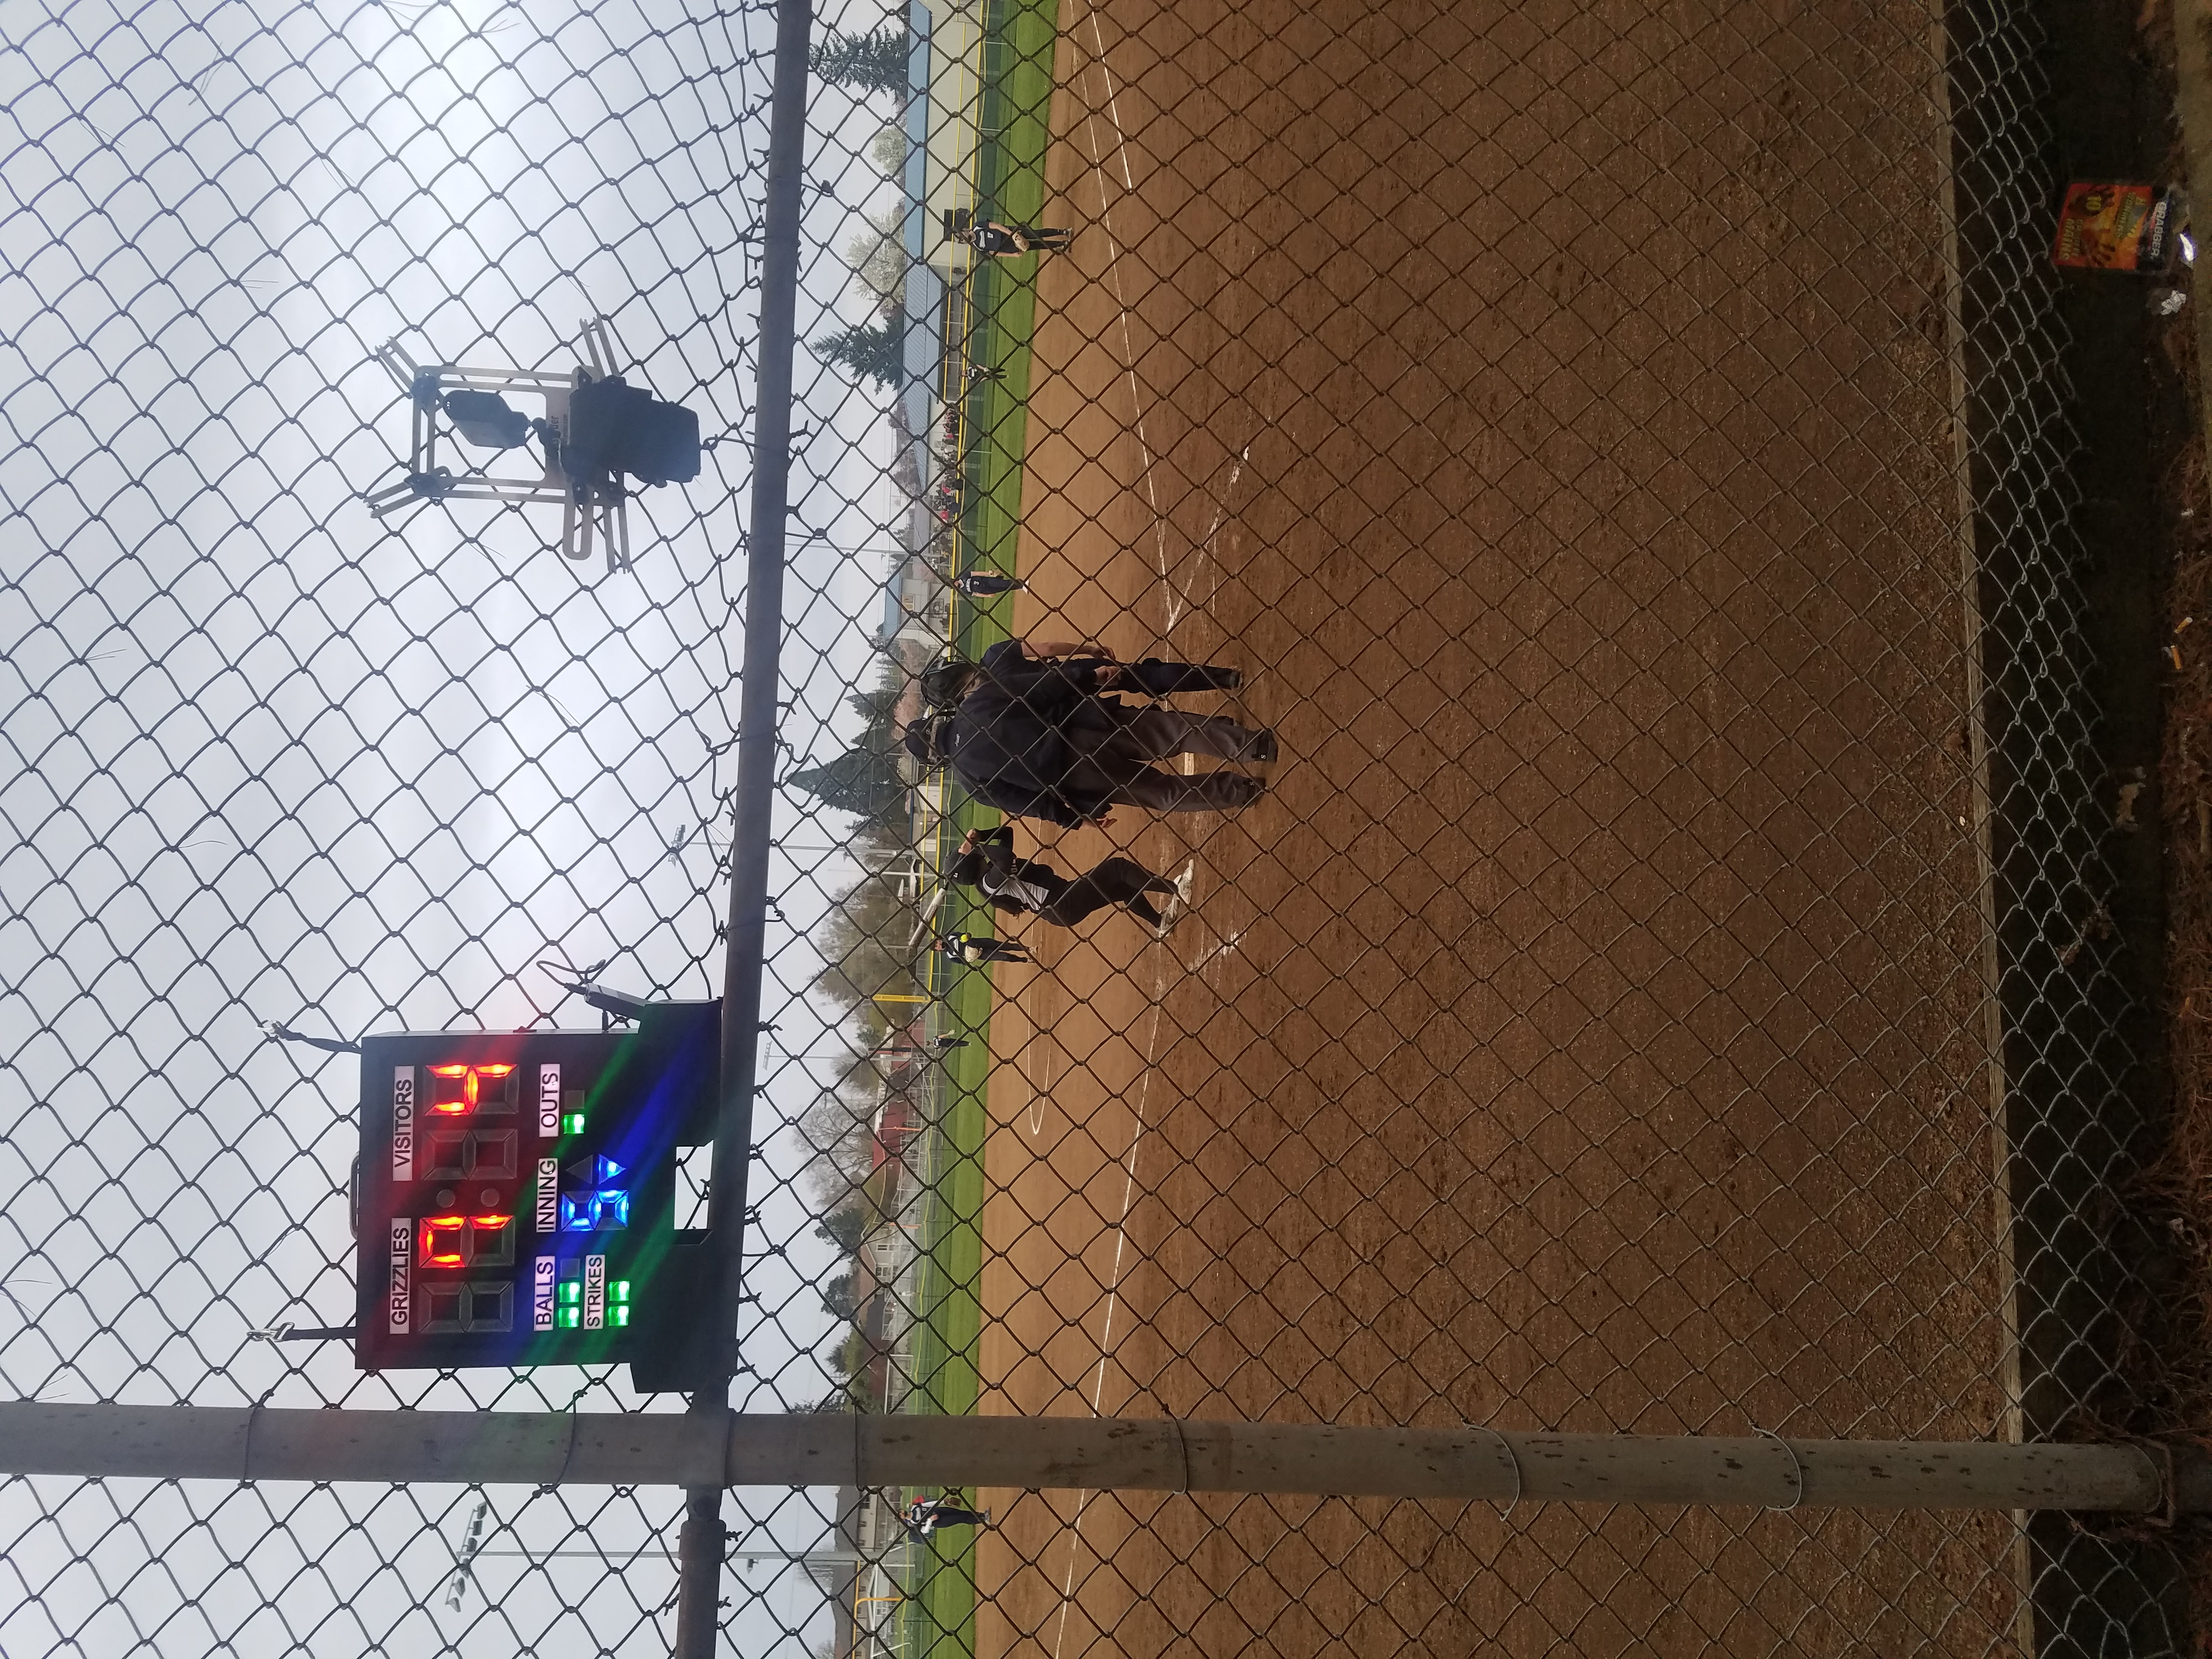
1171	913
1263	746
1183	879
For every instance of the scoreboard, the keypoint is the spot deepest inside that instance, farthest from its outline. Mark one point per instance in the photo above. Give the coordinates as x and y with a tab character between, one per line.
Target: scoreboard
517	1197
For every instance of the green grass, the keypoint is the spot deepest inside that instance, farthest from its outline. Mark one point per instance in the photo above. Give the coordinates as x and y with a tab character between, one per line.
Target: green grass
1016	108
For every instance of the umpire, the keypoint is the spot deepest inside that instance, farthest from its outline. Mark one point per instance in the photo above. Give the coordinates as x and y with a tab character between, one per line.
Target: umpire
944	683
1036	739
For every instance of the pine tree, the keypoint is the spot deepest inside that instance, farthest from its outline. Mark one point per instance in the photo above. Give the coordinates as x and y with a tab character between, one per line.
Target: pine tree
880	259
845	1227
874	62
865	781
876	351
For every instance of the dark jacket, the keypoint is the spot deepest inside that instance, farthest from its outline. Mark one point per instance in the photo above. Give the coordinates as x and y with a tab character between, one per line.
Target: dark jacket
993	856
1008	742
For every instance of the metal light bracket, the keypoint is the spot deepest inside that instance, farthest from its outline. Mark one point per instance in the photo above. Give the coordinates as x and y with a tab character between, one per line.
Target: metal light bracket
593	511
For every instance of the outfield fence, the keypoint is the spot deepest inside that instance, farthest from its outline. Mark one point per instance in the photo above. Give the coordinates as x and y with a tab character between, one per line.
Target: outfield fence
1668	983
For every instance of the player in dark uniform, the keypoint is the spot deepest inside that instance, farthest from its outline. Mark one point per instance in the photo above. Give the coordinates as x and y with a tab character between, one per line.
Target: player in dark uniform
976	948
926	1515
988	585
1018	886
1007	241
1000	241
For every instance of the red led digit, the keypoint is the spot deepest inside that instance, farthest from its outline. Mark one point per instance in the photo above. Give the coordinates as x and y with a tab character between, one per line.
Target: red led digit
454	1090
490	1223
458	1088
441	1241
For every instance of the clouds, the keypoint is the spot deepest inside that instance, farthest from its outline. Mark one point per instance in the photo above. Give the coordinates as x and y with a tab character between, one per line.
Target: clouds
264	757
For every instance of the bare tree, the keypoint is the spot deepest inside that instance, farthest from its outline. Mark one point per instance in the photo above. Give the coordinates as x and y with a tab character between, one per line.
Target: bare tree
887	150
837	1130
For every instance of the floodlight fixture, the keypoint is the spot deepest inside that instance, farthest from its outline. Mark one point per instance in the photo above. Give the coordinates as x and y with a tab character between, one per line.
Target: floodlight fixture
597	432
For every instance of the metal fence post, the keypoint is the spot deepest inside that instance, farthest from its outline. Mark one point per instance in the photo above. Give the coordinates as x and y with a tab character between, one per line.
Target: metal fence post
1468	1464
761	672
700	1543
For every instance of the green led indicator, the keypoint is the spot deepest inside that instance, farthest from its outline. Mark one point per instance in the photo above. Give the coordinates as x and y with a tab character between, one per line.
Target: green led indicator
572	1291
618	1315
572	1123
619	1291
568	1318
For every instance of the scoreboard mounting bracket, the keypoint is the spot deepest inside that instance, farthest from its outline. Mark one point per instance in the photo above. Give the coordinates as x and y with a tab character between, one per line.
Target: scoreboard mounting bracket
516	1199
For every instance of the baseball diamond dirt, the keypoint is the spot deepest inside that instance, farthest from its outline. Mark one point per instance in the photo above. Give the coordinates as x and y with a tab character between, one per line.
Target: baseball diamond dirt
1549	407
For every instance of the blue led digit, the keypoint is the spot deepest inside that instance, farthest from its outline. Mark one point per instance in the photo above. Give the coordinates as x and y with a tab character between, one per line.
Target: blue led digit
589	1213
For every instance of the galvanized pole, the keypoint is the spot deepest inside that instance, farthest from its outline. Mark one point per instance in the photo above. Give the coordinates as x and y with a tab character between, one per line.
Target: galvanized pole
760	670
709	1452
700	1543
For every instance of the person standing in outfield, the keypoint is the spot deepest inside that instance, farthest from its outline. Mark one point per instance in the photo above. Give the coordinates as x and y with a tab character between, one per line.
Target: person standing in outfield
926	1515
1019	887
1002	241
976	948
1037	738
988	585
944	684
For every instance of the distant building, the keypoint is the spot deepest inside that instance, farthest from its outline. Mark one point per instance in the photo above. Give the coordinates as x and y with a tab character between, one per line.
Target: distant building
917	612
944	138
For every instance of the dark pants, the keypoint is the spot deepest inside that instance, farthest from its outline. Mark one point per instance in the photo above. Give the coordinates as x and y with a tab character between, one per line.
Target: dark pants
1156	678
942	1517
1117	881
978	951
985	585
1115	764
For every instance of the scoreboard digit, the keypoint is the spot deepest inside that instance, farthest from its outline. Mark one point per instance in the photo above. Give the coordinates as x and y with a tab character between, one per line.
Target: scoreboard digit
519	1193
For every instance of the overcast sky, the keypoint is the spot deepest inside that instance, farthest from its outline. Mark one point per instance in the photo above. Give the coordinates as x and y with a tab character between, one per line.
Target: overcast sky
265	758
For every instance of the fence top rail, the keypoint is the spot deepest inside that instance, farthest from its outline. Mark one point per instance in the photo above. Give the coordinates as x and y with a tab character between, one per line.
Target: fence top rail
869	1451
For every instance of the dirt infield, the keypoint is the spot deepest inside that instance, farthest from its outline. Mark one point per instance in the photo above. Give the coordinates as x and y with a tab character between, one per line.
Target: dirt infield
1548	407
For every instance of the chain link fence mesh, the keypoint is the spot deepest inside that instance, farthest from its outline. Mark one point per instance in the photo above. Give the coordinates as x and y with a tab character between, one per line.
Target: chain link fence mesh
1661	987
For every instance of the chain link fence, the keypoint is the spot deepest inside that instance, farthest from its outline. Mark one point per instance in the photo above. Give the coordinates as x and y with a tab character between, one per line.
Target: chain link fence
1660	986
